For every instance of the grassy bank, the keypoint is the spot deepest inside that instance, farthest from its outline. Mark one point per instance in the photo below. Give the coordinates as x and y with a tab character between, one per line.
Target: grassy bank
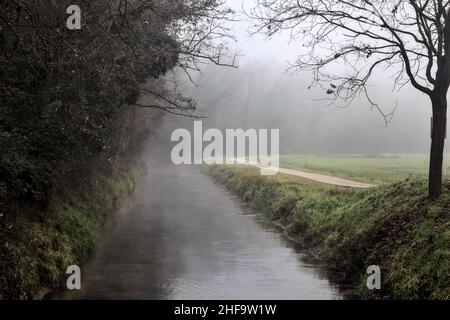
37	247
371	169
394	226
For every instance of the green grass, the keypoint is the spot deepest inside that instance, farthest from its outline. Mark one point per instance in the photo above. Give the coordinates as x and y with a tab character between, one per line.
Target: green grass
370	169
36	248
394	226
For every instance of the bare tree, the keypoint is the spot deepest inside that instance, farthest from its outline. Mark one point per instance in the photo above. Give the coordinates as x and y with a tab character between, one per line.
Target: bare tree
408	38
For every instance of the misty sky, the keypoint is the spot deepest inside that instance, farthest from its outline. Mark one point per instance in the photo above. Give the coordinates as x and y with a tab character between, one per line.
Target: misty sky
261	94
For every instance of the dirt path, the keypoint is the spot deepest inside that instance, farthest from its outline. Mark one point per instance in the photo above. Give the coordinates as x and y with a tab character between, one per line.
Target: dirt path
319	178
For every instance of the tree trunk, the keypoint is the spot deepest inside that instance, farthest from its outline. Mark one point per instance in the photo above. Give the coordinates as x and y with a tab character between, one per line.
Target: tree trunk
438	136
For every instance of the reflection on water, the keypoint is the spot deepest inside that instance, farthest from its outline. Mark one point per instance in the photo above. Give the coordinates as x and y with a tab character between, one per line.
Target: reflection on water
187	238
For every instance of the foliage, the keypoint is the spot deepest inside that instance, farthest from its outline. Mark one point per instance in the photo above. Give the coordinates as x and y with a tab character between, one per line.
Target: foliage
70	116
36	248
66	95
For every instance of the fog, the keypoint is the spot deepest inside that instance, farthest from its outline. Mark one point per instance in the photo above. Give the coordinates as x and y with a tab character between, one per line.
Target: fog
262	93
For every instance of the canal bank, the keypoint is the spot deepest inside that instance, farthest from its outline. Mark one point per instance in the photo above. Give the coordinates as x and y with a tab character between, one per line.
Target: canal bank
37	248
393	226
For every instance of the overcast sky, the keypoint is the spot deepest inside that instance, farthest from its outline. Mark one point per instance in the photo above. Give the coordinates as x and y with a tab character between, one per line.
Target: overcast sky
262	94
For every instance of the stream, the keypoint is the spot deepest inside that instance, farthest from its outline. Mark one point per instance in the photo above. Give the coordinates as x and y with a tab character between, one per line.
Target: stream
182	236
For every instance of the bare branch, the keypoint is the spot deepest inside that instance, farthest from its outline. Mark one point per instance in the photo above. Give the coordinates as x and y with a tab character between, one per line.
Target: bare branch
408	38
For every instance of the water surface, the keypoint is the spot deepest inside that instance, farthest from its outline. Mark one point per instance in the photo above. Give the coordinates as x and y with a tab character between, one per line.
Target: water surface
185	237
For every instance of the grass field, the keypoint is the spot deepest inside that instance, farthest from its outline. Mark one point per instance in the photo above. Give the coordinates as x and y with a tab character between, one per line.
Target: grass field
371	169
